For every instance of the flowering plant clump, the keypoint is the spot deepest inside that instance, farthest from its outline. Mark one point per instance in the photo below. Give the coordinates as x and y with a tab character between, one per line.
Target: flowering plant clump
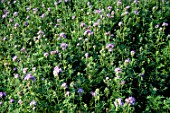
84	56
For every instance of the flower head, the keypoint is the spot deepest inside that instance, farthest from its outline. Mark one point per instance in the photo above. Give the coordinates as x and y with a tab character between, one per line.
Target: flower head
29	76
11	100
132	53
109	8
63	46
56	71
80	90
16	25
33	103
118	70
15	14
64	85
88	32
46	54
165	24
53	52
82	24
63	35
67	93
86	55
14	58
2	94
24	70
110	47
92	93
120	23
118	102
131	100
127	60
20	101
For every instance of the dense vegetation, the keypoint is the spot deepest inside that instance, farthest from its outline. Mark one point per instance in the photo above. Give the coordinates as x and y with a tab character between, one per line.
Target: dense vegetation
80	56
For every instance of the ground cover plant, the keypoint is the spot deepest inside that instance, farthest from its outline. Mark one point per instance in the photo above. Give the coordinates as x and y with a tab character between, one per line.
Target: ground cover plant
84	56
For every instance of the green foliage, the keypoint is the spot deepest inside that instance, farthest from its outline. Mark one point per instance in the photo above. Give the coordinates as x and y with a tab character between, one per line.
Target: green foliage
74	56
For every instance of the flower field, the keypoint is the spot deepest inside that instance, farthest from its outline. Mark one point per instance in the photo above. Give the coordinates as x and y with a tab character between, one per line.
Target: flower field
84	56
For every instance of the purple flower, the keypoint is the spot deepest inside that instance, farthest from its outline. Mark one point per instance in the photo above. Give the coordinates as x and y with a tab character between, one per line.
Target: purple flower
63	46
57	25
6	11
118	102
58	20
122	82
14	58
46	54
33	103
110	47
107	33
42	78
165	24
49	9
127	60
97	11
108	15
67	93
157	26
16	25
15	14
62	35
35	10
1	94
53	52
28	8
123	14
112	35
64	85
56	71
132	53
55	3
2	1
40	32
16	75
27	17
4	94
20	101
109	8
24	70
136	1
4	39
0	103
118	70
131	100
120	23
80	90
136	12
43	15
23	49
4	15
73	17
127	7
11	100
29	76
88	32
96	24
92	93
82	24
87	55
